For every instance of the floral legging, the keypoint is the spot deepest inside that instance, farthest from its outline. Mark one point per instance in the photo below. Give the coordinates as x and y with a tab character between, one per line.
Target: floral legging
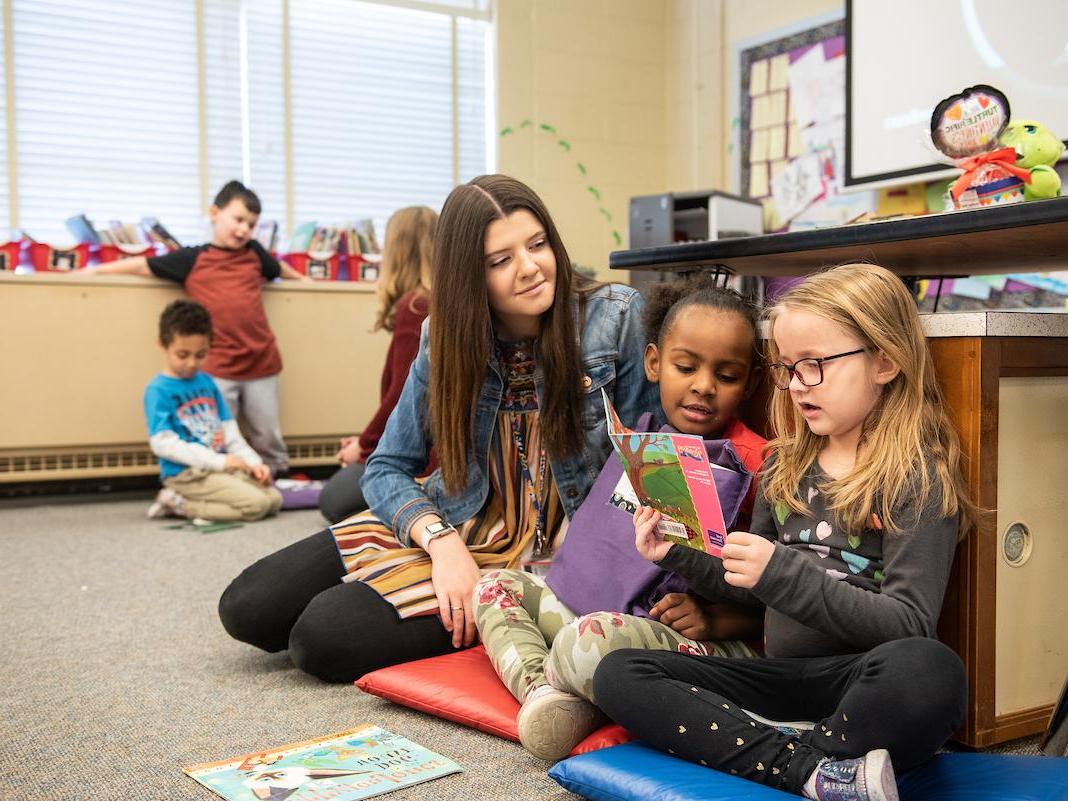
533	639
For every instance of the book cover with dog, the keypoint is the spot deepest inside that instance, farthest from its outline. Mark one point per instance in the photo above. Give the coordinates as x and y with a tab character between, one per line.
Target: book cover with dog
346	766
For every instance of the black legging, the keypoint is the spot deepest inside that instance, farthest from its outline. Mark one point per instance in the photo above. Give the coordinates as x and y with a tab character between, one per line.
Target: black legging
337	631
342	495
907	696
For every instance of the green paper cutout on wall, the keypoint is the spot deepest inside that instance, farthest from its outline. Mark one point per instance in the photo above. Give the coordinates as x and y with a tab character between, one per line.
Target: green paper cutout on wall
565	145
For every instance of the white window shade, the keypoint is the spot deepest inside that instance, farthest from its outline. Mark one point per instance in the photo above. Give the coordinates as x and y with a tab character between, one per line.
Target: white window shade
106	113
373	109
5	233
265	106
471	52
222	70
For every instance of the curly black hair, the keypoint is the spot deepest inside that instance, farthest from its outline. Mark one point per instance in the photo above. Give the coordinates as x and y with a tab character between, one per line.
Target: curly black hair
235	190
183	318
664	302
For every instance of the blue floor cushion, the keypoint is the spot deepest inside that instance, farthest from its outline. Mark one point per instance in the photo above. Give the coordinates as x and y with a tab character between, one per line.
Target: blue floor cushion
635	772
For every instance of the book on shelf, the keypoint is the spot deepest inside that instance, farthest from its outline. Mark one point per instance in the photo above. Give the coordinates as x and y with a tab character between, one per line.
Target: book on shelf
82	230
670	472
365	231
347	766
267	234
155	231
302	236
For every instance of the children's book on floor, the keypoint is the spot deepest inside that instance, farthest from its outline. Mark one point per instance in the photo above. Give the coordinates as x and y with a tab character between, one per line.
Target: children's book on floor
670	472
346	766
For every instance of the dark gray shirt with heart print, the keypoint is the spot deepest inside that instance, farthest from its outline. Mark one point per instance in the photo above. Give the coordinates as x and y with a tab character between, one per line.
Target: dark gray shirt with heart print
828	591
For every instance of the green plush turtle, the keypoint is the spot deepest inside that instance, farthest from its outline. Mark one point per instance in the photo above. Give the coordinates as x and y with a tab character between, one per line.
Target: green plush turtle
1037	150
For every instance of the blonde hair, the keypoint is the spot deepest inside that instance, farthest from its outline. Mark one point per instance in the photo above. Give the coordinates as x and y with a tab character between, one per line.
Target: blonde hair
406	259
909	445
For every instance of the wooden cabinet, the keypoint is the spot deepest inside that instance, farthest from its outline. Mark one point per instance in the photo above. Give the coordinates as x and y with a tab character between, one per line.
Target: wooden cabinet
975	373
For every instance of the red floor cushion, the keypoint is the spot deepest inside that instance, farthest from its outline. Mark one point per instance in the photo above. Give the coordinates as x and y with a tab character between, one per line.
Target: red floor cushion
463	687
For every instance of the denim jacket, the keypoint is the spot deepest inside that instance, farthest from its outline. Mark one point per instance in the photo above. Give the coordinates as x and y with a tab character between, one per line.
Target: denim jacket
612	345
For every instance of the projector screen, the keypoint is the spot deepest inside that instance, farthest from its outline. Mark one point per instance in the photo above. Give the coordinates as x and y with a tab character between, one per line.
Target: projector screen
906	55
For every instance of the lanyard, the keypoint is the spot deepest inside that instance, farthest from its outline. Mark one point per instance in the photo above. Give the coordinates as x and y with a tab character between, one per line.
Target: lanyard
540	545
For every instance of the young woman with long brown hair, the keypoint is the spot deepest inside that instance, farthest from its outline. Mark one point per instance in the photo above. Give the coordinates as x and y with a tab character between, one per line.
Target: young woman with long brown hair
403	304
507	389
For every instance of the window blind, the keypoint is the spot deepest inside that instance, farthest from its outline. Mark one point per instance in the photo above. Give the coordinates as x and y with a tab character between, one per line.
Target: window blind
106	113
373	108
5	219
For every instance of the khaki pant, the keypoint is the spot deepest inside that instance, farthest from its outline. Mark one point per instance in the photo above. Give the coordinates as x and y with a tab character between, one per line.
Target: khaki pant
532	639
215	495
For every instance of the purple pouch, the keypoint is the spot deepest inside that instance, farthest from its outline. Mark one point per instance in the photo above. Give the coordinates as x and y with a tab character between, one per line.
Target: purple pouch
598	569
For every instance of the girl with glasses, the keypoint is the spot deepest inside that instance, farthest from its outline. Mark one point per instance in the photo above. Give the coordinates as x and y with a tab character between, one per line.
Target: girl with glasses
853	535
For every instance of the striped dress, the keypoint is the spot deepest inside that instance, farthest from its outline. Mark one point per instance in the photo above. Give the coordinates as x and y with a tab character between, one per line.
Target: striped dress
501	535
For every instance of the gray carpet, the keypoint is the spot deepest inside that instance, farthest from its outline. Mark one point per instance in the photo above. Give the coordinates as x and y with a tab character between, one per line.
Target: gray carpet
115	670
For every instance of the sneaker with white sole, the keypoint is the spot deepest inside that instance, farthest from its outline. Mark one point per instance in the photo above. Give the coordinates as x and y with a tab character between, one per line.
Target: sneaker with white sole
168	503
551	722
866	778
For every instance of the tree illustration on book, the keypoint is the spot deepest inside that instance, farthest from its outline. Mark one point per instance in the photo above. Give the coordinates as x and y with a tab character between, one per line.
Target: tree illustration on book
670	472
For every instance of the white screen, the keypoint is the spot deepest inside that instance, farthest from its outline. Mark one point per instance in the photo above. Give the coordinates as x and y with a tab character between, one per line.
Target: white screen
907	55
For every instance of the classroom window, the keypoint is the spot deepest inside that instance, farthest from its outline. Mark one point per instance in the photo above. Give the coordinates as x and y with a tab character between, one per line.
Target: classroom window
150	117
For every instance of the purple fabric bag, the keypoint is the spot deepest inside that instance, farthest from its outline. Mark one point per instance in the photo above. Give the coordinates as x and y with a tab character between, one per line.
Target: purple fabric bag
598	569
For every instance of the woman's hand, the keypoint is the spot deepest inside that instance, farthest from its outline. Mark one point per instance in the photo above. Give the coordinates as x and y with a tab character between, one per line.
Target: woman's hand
685	615
649	542
454	575
745	558
349	451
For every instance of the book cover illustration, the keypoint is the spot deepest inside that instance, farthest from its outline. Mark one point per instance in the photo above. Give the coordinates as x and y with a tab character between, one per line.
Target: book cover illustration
346	766
670	472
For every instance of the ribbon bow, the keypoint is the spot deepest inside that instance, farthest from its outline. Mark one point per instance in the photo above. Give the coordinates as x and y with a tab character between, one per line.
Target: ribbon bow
1004	157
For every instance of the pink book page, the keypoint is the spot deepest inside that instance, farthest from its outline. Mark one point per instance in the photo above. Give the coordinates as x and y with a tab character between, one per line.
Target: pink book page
698	474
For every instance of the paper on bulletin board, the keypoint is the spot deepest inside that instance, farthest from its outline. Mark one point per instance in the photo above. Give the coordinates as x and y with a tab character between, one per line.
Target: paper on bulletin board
758	146
798	185
817	87
758	181
777	108
758	77
776	143
777	72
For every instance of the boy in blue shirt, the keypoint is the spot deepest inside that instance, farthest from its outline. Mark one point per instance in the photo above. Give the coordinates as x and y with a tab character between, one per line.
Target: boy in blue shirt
207	468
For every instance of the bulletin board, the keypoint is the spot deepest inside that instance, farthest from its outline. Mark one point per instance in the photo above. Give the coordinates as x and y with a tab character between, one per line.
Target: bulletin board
792	129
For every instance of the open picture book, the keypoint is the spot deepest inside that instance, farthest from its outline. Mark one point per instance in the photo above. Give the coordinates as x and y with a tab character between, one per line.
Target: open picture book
346	766
670	472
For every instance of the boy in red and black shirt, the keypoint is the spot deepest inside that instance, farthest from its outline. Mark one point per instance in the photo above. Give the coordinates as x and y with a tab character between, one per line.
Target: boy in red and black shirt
226	276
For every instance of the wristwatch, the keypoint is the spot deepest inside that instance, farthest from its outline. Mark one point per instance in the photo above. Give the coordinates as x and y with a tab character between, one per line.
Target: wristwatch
435	530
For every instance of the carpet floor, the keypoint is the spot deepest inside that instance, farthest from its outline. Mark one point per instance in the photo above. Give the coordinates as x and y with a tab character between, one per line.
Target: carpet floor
116	671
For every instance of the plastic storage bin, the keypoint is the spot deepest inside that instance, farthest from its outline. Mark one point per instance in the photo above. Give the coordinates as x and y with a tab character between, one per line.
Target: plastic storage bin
10	255
115	252
320	266
46	258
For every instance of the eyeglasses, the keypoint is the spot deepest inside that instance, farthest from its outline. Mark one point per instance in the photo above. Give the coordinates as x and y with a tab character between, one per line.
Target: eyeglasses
808	371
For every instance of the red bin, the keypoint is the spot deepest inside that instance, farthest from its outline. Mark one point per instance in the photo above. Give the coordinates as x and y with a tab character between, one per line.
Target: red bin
115	252
320	266
10	253
46	258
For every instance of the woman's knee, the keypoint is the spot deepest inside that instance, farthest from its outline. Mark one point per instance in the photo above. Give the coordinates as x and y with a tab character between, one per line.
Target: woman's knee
317	647
245	612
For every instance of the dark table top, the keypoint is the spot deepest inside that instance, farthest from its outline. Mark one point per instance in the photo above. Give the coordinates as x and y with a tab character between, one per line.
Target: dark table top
1017	238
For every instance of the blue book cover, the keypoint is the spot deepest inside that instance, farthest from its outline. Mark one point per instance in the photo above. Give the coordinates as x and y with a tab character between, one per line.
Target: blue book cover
346	766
